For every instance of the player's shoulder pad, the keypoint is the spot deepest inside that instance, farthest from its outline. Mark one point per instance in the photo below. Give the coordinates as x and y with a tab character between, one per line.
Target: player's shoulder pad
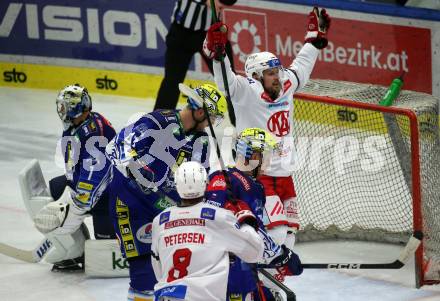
142	125
103	123
89	128
164	117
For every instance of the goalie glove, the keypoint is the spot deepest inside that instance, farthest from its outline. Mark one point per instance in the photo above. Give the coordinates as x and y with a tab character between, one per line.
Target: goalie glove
317	27
60	217
214	44
243	213
287	263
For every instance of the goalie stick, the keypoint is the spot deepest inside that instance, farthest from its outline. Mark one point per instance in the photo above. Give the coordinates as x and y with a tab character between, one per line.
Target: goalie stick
32	256
409	250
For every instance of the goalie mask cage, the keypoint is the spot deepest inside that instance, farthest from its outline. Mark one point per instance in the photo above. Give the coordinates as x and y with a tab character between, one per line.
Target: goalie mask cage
368	172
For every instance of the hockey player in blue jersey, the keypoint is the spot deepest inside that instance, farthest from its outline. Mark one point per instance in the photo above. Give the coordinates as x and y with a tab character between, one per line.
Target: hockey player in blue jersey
253	149
85	136
144	157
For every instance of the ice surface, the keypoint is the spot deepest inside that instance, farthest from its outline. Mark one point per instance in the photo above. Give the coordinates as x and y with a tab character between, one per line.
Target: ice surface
29	128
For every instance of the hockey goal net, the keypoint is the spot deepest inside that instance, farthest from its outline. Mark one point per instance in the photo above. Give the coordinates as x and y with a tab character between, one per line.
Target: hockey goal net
368	172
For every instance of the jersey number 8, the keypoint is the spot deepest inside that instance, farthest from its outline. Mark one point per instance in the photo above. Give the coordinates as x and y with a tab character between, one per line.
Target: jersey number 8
181	261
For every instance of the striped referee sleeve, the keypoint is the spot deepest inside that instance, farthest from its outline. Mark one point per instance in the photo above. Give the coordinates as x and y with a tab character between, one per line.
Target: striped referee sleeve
192	14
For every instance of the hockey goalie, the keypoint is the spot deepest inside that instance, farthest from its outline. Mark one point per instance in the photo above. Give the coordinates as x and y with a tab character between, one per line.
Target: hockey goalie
59	210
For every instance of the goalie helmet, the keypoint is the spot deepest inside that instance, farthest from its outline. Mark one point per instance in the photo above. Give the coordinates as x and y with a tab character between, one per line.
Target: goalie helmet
72	101
190	179
253	140
260	61
210	96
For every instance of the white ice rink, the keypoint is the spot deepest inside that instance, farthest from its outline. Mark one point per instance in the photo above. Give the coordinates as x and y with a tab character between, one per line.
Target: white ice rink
29	128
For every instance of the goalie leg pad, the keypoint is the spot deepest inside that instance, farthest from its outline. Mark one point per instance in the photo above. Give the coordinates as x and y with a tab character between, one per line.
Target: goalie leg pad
103	259
68	246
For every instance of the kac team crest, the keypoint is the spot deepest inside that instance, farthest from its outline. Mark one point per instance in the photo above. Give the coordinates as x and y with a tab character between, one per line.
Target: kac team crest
279	123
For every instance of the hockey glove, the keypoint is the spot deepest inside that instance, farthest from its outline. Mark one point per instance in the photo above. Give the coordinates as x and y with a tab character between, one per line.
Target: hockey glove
243	213
60	216
317	28
214	44
287	263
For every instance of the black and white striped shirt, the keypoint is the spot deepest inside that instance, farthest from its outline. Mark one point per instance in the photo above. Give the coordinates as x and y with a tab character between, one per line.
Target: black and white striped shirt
192	14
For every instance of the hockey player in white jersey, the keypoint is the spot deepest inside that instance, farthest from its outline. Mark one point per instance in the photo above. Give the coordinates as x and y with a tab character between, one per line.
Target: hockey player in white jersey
264	99
191	242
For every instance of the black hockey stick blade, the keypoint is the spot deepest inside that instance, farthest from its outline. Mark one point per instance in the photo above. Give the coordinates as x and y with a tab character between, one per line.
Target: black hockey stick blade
289	293
354	266
409	250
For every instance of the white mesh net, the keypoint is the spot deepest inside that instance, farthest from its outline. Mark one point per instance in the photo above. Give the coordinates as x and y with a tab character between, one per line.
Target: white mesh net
353	172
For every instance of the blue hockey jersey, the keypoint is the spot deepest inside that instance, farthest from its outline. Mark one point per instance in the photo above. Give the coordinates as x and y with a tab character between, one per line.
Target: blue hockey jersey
158	144
242	187
84	156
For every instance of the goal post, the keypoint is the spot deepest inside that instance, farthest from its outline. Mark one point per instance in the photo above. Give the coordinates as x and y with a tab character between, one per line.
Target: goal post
368	172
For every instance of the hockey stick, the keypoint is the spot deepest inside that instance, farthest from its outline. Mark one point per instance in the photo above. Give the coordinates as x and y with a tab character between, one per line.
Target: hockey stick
32	256
222	165
289	293
221	58
409	250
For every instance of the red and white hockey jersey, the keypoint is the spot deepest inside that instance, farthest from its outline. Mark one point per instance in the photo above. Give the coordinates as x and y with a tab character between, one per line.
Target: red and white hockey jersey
254	108
190	247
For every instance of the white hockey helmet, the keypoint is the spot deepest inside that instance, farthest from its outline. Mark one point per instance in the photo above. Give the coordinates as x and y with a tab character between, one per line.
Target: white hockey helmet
260	61
72	101
191	179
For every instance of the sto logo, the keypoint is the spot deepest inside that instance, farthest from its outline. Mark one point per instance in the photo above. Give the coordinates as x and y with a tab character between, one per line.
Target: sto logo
279	123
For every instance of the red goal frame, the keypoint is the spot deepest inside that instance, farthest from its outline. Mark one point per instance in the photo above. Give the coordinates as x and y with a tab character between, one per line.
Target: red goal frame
415	164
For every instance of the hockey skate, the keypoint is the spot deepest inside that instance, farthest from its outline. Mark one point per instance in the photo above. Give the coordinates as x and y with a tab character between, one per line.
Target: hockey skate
69	265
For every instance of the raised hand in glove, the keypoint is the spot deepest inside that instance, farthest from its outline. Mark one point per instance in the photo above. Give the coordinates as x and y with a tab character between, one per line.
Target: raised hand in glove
317	28
242	212
215	41
287	263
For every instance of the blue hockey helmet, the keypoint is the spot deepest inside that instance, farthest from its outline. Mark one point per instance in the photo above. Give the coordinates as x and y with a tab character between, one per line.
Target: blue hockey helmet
72	101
